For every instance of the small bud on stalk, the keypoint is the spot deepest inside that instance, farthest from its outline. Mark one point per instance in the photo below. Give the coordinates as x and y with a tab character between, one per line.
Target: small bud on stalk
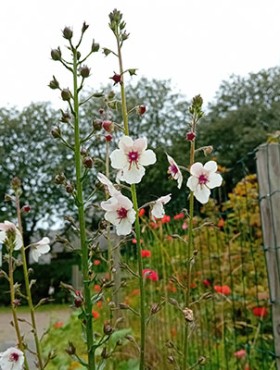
108	126
85	71
141	109
60	178
190	136
117	78
67	33
108	138
97	124
69	187
54	84
56	133
26	208
88	162
94	46
56	54
66	94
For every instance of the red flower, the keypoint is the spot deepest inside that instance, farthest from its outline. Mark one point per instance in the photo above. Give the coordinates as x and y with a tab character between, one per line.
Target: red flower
150	274
141	212
179	216
260	311
134	241
108	137
58	324
145	253
221	223
240	354
97	288
206	283
96	262
153	225
190	136
165	219
95	314
222	289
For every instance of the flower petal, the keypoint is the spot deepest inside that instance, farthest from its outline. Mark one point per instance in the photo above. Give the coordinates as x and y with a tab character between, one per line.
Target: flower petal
118	159
125	141
134	175
202	194
110	205
112	217
148	157
211	166
214	180
192	183
196	169
18	240
124	227
140	144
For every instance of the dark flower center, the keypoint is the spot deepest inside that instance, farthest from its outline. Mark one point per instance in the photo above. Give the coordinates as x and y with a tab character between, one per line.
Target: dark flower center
122	213
202	180
14	357
173	169
133	156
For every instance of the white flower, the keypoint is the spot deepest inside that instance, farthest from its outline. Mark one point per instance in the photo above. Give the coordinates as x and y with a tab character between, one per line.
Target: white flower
11	359
130	159
157	209
110	187
6	227
39	248
203	179
175	171
120	212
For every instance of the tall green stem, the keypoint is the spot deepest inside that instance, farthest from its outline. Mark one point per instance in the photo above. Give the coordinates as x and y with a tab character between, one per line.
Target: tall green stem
28	291
189	263
81	214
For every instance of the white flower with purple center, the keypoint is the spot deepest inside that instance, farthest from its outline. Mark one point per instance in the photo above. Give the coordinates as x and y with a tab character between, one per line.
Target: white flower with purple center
130	159
39	248
120	213
7	228
203	179
158	209
174	171
11	359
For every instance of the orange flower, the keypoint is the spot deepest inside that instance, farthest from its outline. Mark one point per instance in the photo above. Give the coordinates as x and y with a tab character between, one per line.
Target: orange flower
260	311
222	289
221	223
97	288
58	324
95	314
96	262
141	212
179	216
145	253
99	304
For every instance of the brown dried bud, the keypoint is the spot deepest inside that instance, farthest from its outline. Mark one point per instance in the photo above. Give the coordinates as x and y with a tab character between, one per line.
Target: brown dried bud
207	150
78	299
171	359
107	329
88	162
65	117
108	137
56	54
117	78
104	353
69	187
71	349
155	308
16	302
67	33
201	360
54	84
16	183
123	306
60	178
56	133
188	314
26	208
66	94
85	71
97	124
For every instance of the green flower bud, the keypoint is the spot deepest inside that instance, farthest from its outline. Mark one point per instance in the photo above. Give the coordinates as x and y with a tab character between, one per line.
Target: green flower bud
84	71
56	54
54	84
67	33
85	27
56	133
94	46
106	51
65	117
66	94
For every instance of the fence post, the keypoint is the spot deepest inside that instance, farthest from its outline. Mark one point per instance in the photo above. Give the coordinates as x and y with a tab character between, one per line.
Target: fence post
268	172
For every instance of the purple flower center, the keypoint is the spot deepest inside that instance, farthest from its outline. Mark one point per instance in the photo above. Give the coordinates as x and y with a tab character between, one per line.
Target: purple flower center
14	357
133	156
202	179
173	169
122	213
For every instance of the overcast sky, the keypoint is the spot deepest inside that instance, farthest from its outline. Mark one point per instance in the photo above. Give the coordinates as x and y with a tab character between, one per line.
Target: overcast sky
195	43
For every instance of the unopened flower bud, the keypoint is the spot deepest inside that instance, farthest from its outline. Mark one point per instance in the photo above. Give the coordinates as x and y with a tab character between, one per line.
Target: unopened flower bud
85	27
141	109
106	51
108	126
117	78
201	360
83	151
56	133
107	329
108	138
26	208
65	117
207	150
16	183
16	302
94	46
171	359
97	124
84	71
123	306
8	198
155	308
69	187
78	299
67	33
66	94
132	71
60	178
88	162
56	54
71	349
104	353
111	95
190	136
54	84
